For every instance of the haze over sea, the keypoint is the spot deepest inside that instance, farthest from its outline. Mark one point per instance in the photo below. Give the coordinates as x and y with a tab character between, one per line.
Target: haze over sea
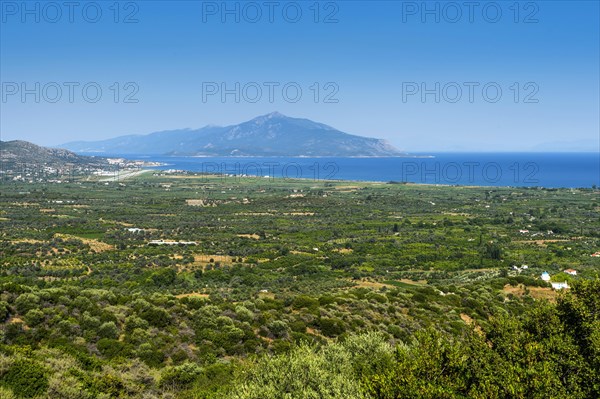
551	170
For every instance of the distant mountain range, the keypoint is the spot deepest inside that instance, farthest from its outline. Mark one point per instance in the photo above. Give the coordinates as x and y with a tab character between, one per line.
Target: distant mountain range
268	135
18	153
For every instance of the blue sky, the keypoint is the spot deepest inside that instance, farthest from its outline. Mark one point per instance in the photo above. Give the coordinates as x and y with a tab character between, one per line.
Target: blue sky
369	56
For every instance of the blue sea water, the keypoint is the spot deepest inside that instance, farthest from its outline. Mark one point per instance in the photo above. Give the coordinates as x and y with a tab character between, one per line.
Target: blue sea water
550	170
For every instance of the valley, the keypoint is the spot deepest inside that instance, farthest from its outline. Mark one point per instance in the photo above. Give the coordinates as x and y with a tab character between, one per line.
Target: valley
275	265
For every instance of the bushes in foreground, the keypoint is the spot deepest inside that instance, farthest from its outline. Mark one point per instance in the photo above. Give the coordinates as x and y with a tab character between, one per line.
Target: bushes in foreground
550	351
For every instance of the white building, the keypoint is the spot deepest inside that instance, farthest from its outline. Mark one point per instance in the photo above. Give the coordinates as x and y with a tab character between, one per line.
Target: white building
560	286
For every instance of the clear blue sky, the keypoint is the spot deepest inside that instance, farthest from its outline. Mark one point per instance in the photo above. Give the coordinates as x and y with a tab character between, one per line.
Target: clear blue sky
375	54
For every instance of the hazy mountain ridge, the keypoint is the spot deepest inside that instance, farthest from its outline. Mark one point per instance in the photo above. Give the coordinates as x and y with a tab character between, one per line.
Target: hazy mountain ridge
19	152
267	135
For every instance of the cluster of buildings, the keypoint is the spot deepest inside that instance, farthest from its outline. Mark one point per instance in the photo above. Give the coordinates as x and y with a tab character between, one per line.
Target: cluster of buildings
137	230
163	242
525	231
558	285
521	268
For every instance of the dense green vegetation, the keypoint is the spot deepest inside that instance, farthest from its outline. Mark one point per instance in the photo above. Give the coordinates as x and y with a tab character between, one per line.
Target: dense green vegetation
296	289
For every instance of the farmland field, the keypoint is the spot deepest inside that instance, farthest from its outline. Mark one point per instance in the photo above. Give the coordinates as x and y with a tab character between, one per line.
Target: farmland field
286	271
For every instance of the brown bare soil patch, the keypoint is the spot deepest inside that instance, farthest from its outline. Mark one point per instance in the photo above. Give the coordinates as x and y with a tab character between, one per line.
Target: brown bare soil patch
200	202
25	204
269	295
28	241
409	281
254	214
466	318
267	339
470	322
343	250
372	284
543	293
192	295
115	222
535	292
14	320
252	236
96	245
203	260
294	252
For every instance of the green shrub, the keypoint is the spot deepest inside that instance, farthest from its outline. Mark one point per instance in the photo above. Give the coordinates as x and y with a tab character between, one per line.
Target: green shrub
108	330
4	311
34	317
331	327
113	348
302	373
151	356
156	316
26	378
26	302
304	301
278	328
180	376
7	393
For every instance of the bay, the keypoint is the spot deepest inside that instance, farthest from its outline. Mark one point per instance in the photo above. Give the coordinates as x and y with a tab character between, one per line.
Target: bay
551	170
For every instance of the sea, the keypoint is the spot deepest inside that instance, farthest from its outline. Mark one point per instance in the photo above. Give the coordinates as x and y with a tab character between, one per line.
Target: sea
550	170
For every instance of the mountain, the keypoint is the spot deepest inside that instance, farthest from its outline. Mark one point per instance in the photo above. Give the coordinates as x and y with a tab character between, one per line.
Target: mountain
268	135
23	153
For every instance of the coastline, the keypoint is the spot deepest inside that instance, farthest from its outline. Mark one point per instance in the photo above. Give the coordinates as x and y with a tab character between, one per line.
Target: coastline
548	170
